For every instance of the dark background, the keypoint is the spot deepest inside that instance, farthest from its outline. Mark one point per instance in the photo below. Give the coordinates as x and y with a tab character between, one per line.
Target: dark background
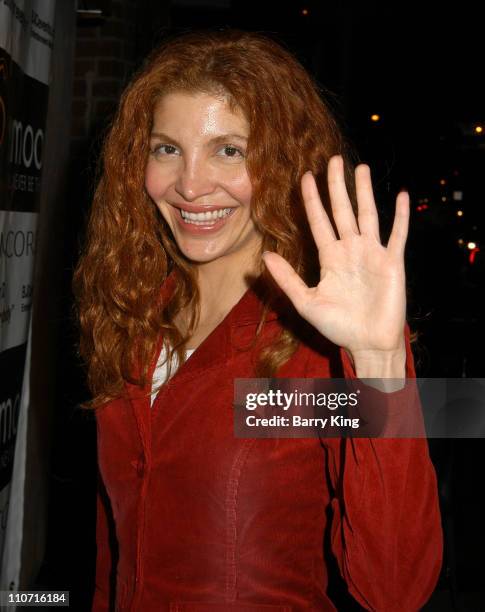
420	68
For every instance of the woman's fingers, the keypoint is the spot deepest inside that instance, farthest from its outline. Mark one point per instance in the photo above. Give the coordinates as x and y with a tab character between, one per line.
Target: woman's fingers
341	206
318	220
286	278
343	214
367	215
400	226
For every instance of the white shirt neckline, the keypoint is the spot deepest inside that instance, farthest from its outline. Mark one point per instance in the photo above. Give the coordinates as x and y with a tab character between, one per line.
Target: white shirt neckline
160	373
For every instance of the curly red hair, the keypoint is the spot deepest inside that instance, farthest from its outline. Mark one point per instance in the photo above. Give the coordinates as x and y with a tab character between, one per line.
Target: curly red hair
129	249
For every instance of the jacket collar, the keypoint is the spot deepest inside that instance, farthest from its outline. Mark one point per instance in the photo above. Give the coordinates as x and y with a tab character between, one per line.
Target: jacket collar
247	311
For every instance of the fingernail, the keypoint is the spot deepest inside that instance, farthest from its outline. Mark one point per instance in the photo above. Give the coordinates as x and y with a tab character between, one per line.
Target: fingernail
264	253
309	172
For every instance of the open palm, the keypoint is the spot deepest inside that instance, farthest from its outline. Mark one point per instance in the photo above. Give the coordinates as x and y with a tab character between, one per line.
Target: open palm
360	301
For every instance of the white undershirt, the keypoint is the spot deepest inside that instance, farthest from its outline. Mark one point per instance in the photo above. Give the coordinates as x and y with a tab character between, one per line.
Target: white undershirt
160	374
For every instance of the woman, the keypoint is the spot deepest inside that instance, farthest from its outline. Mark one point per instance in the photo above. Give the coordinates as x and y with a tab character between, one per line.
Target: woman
210	238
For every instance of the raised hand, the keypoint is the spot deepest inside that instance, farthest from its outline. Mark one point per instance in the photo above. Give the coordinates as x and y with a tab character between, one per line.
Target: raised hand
360	301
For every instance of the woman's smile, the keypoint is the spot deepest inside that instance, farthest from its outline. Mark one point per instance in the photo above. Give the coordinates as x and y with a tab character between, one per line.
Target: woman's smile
201	221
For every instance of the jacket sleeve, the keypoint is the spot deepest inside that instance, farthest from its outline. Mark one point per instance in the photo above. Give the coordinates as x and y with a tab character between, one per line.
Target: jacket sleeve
386	527
103	600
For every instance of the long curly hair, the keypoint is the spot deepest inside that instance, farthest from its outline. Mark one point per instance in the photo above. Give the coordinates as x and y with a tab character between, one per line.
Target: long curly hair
129	249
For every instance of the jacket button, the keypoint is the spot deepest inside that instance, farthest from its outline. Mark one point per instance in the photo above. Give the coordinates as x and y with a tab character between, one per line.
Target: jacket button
140	470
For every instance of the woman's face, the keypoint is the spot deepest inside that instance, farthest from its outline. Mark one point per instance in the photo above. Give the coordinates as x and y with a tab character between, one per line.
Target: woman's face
196	174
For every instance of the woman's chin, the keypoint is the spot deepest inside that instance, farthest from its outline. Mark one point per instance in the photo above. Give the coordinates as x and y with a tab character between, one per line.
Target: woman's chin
200	256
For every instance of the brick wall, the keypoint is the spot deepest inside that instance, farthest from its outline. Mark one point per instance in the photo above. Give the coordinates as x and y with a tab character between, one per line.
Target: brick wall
104	62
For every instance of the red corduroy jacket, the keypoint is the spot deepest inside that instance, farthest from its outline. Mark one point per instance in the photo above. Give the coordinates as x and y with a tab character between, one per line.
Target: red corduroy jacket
169	539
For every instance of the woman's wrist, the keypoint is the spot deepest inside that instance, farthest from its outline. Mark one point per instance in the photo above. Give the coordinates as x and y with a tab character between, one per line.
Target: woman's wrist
387	368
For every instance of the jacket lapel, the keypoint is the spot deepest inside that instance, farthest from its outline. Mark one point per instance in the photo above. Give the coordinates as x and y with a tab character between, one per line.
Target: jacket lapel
214	351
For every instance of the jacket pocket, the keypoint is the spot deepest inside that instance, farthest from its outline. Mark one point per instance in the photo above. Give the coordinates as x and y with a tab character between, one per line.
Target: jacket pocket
194	606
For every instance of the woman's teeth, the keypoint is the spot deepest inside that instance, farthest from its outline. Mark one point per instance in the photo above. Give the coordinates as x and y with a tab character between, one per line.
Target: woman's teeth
204	217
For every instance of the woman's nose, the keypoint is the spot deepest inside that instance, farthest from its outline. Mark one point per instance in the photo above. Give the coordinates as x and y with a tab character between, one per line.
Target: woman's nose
194	181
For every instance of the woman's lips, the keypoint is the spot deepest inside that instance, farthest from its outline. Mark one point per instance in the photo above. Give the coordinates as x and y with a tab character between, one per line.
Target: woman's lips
205	227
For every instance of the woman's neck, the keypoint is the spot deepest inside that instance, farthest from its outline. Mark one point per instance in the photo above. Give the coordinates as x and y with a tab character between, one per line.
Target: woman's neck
221	285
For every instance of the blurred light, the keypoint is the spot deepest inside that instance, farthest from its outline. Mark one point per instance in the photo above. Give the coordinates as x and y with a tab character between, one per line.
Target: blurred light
421	207
459	213
478	129
457	196
471	245
471	257
304	12
442	182
443	199
375	117
460	241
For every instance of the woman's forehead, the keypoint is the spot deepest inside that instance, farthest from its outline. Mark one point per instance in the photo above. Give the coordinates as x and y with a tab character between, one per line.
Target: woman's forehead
198	109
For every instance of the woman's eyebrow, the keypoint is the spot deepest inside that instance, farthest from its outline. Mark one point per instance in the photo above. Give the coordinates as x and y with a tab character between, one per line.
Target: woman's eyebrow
216	139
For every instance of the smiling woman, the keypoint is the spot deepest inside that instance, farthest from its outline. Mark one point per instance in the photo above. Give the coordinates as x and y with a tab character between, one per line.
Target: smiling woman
230	237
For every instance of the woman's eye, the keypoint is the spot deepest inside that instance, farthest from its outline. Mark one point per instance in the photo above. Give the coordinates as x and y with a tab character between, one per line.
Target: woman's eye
164	149
230	151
